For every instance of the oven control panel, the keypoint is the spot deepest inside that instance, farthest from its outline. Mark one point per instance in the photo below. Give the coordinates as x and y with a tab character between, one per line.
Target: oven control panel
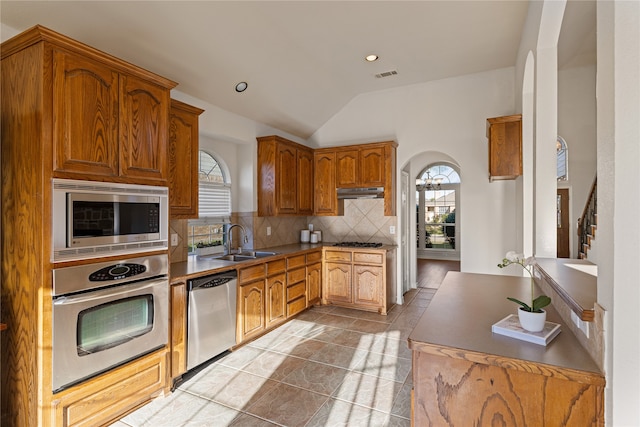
81	278
117	272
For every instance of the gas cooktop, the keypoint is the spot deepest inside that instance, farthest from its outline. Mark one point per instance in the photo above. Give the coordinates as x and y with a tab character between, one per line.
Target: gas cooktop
358	244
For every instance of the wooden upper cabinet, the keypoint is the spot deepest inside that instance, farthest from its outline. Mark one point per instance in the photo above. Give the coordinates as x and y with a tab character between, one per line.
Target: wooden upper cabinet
347	168
85	105
505	147
285	177
372	167
324	179
305	182
110	118
144	124
360	167
183	160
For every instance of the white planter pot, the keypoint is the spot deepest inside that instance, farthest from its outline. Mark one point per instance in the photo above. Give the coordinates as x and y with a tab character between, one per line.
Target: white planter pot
210	250
532	322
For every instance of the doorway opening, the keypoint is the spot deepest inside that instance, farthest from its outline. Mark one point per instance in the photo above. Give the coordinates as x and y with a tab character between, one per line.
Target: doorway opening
437	205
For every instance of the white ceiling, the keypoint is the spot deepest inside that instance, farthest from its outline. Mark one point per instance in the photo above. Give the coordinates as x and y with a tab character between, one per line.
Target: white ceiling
303	60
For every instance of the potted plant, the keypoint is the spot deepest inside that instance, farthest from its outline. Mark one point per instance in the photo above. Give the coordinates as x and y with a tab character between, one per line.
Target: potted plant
208	248
532	316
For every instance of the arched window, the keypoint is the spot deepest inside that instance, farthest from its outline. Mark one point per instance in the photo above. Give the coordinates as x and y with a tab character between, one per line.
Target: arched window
562	159
214	204
436	189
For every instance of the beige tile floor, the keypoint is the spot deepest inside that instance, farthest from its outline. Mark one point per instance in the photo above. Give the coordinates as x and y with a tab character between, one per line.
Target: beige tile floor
330	366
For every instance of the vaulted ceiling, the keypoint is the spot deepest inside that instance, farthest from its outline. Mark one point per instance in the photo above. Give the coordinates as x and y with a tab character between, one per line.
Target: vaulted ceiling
303	60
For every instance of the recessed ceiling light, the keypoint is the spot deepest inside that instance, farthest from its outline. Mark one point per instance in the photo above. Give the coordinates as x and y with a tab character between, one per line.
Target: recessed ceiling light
241	87
371	58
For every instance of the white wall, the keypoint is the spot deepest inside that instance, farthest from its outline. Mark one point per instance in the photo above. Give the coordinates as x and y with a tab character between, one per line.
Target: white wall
618	157
577	125
449	117
234	138
618	124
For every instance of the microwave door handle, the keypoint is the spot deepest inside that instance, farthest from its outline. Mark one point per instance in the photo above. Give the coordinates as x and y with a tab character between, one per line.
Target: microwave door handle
106	293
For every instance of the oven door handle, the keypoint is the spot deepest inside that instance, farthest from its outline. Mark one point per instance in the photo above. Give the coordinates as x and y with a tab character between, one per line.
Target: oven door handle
108	293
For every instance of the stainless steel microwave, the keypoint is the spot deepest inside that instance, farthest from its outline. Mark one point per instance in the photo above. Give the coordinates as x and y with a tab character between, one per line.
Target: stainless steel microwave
96	219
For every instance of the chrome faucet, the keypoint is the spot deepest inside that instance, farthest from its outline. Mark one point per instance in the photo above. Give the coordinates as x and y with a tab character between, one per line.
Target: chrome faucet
244	233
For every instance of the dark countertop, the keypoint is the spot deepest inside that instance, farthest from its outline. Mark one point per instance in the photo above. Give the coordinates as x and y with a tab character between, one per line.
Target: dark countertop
458	322
575	280
196	266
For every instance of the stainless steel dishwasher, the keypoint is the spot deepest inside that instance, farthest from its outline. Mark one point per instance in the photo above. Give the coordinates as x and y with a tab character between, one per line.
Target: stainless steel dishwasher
211	317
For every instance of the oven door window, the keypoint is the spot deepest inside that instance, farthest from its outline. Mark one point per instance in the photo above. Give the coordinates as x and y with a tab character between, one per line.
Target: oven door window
108	325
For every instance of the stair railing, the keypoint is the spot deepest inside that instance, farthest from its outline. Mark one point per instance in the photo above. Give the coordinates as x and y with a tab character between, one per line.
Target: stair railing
588	221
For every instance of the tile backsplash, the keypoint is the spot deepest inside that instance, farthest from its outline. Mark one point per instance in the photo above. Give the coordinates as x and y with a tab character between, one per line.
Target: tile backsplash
363	221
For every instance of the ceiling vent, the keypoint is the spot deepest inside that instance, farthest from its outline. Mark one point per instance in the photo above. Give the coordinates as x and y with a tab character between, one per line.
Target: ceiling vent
386	74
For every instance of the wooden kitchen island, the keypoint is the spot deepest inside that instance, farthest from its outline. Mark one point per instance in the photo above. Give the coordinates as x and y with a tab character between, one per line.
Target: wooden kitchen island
464	375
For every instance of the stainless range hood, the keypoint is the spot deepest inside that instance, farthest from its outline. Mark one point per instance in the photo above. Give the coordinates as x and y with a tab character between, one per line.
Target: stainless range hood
361	193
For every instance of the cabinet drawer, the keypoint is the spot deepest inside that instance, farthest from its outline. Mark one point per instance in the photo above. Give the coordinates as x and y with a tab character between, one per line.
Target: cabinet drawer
252	273
296	306
296	275
277	266
376	258
113	394
314	257
337	256
296	291
295	261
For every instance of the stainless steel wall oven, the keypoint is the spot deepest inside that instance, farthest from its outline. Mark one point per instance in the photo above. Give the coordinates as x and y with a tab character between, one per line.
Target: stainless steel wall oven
106	314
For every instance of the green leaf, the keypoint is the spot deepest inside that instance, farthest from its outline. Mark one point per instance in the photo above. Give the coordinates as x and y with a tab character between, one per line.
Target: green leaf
541	302
523	304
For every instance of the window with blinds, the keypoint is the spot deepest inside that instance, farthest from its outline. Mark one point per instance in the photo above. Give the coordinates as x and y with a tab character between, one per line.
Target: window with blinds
214	204
214	200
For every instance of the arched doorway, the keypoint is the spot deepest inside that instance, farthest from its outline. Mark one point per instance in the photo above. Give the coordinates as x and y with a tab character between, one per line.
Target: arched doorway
437	204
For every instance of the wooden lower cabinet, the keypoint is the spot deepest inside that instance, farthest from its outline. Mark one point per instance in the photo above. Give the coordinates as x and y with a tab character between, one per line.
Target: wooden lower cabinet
106	398
368	285
272	292
362	279
275	300
296	284
251	317
178	328
337	286
314	283
455	392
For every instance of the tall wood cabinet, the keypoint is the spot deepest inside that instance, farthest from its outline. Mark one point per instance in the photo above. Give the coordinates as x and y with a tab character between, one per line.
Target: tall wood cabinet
505	147
183	160
71	111
285	177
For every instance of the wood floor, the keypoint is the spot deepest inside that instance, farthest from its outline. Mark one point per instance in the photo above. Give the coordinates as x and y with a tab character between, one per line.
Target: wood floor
431	272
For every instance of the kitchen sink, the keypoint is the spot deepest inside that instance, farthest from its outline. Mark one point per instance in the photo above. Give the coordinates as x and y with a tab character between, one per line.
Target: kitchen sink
244	256
257	254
